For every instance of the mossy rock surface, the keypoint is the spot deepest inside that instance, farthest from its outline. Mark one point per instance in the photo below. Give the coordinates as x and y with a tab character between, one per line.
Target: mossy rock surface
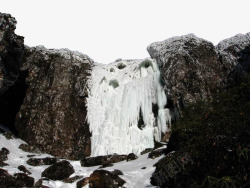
210	145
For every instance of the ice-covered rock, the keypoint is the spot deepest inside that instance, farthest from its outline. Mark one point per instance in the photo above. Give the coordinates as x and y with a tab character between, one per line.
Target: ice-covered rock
120	107
190	68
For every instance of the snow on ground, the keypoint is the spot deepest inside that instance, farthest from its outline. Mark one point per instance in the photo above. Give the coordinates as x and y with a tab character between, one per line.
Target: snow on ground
119	93
134	175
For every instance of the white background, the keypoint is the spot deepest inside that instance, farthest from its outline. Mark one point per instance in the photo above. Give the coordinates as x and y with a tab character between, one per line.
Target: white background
110	29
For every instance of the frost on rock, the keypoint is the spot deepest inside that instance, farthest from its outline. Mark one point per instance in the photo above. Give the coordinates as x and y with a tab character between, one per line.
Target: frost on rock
229	49
116	101
163	50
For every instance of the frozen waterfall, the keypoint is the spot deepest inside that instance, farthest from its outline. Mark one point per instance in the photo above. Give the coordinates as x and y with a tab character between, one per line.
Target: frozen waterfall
120	94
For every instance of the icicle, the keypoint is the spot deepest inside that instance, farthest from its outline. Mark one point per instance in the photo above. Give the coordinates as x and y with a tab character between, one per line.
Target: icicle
116	97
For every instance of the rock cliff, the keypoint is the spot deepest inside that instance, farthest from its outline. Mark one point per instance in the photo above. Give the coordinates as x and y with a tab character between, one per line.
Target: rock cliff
44	92
53	114
190	69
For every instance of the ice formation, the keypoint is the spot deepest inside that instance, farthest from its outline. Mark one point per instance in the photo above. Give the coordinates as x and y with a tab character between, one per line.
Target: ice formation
119	93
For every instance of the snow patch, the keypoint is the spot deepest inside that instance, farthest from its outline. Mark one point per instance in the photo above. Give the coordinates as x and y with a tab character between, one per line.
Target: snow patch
134	175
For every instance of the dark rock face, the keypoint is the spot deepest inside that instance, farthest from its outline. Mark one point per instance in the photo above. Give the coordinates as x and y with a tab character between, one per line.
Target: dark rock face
190	69
53	115
105	179
18	180
102	160
58	171
11	85
41	161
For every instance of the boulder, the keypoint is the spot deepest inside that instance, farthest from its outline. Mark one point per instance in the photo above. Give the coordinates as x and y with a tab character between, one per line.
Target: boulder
12	86
131	157
102	160
27	180
190	69
230	50
147	151
156	153
235	57
58	171
23	169
53	114
42	161
18	180
105	179
117	172
39	183
4	154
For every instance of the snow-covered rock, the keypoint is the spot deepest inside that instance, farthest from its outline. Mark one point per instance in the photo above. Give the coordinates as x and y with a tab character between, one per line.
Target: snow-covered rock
133	172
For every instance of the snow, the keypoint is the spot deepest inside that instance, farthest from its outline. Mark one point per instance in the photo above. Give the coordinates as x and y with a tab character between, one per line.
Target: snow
133	174
118	92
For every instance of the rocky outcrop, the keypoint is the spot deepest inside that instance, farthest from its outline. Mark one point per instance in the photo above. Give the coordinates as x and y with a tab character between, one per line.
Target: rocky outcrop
11	85
234	54
190	69
230	50
53	114
51	86
58	171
